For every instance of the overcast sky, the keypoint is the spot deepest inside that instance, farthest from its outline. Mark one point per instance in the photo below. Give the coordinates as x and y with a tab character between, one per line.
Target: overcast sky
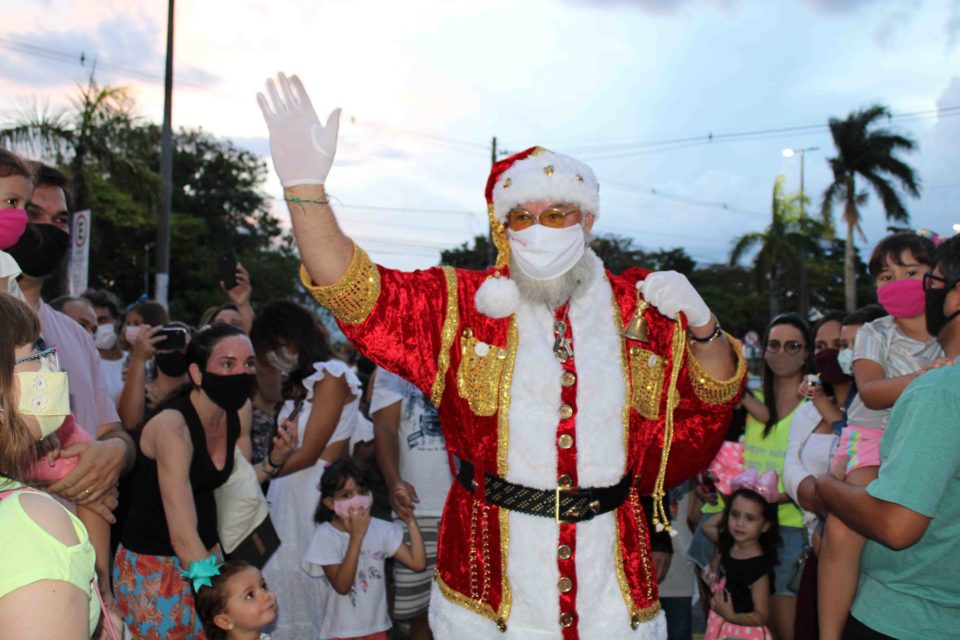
633	87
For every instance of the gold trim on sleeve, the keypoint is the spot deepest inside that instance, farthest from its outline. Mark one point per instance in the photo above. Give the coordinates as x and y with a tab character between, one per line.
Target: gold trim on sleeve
447	334
708	388
352	297
503	416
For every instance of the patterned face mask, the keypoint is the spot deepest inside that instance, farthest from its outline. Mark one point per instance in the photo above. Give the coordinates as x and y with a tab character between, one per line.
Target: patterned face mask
44	394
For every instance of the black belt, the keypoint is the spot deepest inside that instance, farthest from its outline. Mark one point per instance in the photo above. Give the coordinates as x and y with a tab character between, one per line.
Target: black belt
565	505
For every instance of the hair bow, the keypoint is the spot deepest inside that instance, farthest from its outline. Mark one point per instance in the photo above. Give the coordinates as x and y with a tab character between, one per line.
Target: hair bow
765	484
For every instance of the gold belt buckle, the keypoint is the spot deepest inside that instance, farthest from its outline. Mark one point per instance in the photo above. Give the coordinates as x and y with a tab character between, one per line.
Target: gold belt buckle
556	507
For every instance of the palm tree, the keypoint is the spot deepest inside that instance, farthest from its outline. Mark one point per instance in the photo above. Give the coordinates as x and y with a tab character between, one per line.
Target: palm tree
95	131
784	246
867	150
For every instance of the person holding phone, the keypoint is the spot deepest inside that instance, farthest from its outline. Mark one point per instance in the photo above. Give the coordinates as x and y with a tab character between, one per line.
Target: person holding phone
322	397
164	347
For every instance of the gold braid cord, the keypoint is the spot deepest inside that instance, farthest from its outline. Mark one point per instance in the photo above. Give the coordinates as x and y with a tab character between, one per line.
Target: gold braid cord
660	518
708	388
352	298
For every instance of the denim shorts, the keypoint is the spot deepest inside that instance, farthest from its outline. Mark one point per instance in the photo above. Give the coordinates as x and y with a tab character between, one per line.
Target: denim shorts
790	549
701	549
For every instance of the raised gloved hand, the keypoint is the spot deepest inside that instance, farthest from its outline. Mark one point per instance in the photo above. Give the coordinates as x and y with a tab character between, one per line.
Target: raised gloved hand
302	148
671	292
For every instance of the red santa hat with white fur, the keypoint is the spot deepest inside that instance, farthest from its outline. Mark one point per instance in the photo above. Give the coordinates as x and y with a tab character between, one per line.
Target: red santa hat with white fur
531	175
539	174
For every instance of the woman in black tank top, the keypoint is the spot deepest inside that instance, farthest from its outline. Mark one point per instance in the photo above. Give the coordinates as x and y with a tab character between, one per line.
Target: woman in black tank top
185	452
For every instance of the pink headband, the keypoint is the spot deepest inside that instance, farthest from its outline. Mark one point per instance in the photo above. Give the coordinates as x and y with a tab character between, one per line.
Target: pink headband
765	484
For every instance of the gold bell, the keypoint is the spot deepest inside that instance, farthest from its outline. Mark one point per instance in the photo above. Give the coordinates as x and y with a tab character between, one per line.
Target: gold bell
637	329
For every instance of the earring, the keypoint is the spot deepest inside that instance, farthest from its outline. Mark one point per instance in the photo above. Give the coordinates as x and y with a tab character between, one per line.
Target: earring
230	628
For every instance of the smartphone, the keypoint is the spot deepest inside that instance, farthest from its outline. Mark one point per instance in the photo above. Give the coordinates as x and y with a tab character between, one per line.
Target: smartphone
227	268
174	338
295	414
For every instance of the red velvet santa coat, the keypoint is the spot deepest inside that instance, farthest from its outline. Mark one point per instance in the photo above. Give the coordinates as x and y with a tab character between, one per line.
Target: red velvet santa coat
510	407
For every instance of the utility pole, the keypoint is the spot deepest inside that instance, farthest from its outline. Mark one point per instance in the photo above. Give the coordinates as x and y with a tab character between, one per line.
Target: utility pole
491	250
162	285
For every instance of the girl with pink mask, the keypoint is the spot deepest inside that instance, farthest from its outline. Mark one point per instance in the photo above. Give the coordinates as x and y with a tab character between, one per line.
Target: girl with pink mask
348	551
889	354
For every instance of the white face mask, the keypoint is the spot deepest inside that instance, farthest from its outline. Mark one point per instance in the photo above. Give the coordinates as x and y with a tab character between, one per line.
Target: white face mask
845	360
543	253
105	336
130	333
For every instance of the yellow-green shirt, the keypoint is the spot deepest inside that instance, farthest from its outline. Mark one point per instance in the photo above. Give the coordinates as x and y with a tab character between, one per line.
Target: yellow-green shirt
31	553
769	453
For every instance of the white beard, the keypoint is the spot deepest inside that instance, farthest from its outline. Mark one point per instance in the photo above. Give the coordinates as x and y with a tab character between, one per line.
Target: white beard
559	290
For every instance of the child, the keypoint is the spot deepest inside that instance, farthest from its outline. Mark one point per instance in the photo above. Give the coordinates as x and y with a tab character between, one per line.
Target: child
237	604
348	551
889	354
747	534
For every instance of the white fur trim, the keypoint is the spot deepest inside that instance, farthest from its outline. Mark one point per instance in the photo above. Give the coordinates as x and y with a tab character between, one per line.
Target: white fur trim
450	621
529	181
497	297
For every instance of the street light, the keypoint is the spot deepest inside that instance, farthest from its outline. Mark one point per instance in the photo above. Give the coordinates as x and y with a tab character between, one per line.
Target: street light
789	153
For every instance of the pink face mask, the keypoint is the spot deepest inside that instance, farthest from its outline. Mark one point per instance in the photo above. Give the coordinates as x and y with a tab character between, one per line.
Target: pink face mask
13	222
342	507
903	298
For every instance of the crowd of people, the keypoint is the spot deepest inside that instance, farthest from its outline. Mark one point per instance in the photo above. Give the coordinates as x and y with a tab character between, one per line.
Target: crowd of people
234	476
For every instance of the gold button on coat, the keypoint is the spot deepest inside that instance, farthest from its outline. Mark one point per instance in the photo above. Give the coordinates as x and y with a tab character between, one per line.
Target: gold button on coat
565	441
564	585
564	552
568	379
566	620
565	481
566	411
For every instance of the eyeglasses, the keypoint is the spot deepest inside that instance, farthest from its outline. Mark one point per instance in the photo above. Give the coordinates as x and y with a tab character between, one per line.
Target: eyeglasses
48	356
790	346
554	217
941	283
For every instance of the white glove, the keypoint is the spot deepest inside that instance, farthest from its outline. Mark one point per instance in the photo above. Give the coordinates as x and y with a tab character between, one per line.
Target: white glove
671	292
301	147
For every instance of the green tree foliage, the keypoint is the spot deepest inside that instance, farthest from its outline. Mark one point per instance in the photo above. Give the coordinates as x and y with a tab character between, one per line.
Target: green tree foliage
475	255
783	249
113	160
868	151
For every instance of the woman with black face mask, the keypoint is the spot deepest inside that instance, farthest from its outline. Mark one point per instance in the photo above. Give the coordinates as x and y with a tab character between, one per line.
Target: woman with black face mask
185	452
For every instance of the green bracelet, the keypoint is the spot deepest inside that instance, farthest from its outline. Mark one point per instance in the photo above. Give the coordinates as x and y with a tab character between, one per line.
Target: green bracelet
302	201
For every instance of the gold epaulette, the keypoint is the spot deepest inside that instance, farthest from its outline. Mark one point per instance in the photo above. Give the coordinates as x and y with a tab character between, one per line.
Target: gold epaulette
352	297
708	388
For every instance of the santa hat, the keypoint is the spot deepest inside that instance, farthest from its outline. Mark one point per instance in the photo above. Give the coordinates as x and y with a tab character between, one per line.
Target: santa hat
535	174
539	174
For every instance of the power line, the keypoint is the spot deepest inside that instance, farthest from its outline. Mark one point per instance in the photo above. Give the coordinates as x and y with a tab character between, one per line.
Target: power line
653	191
57	55
709	137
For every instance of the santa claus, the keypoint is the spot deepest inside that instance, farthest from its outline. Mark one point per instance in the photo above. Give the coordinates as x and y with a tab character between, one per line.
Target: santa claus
558	416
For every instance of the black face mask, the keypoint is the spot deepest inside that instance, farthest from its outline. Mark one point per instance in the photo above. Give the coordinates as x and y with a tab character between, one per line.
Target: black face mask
40	249
172	363
228	392
825	362
936	319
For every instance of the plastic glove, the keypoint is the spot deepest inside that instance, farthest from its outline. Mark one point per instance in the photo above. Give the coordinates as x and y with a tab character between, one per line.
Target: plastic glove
671	292
302	148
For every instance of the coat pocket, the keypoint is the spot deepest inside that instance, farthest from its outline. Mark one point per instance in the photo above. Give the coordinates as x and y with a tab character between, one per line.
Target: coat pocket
647	373
478	377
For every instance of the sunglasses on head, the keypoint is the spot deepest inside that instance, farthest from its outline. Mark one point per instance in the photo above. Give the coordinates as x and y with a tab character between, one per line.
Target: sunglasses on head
790	346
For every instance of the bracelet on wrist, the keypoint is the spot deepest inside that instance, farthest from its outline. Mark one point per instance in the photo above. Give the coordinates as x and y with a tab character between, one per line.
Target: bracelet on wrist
716	333
268	467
